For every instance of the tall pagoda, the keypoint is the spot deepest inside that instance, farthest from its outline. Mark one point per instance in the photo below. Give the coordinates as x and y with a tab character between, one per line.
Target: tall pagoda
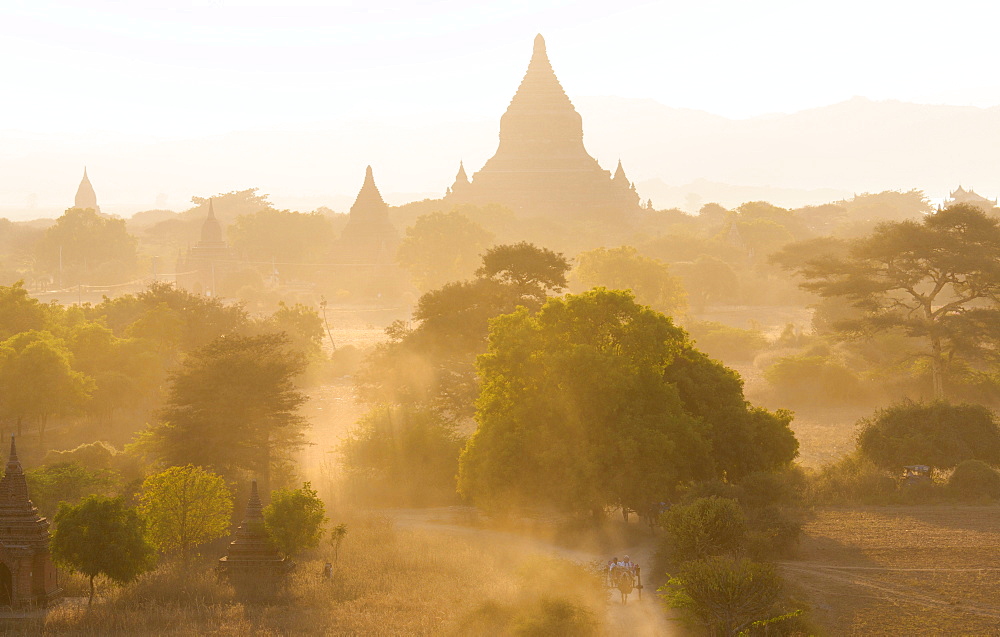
252	564
369	236
208	260
541	166
28	577
85	195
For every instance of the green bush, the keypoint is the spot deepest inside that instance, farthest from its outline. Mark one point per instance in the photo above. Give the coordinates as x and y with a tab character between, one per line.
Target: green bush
852	480
938	434
974	480
707	489
402	456
705	527
814	380
766	488
68	482
772	531
727	343
727	595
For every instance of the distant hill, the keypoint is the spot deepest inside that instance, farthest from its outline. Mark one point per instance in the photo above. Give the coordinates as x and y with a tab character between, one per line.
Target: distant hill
675	156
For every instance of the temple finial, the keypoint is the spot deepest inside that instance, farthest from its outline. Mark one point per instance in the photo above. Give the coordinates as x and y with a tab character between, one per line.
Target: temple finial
211	208
539	45
13	449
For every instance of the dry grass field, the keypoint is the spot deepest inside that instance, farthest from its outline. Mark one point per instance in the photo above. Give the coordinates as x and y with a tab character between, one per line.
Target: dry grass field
901	570
389	581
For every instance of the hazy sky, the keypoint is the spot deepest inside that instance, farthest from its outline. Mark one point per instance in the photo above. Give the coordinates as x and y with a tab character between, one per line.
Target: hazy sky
187	69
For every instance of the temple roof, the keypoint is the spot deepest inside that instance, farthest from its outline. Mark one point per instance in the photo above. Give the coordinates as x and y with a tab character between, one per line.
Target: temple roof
540	81
461	177
369	205
85	195
970	196
541	166
13	487
211	230
20	523
620	177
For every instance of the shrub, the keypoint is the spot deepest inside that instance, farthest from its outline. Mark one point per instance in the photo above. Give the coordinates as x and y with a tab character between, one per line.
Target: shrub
402	456
938	434
294	519
68	482
773	531
974	480
765	488
725	342
705	527
724	594
707	489
854	479
814	379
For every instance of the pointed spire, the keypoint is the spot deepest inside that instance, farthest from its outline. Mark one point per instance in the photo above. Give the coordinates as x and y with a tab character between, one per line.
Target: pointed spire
539	49
85	195
369	204
13	460
13	487
461	177
619	172
540	88
211	229
255	510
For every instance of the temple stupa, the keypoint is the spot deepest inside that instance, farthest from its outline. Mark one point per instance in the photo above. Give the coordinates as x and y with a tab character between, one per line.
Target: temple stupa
541	167
85	195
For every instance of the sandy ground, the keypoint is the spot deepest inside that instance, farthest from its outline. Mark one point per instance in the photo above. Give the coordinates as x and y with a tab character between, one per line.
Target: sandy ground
638	617
902	570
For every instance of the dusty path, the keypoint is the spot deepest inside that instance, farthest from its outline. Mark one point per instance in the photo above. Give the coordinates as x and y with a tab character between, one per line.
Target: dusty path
892	592
638	618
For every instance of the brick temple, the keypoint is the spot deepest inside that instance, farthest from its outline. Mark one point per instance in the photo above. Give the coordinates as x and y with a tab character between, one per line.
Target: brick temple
28	578
541	167
252	564
207	262
369	237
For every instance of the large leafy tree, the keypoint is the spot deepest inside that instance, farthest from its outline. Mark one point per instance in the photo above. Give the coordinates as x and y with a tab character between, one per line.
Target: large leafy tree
184	507
88	248
102	536
596	401
936	280
125	370
401	455
18	311
282	235
232	407
38	379
624	268
442	247
432	365
173	318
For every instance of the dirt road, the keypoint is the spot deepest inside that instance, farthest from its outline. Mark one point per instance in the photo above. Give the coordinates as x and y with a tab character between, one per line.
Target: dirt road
637	618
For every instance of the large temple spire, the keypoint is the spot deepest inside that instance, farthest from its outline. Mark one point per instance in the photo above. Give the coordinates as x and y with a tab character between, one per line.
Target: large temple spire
85	195
541	166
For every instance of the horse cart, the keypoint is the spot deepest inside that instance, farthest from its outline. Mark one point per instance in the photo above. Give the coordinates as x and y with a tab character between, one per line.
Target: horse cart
626	579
